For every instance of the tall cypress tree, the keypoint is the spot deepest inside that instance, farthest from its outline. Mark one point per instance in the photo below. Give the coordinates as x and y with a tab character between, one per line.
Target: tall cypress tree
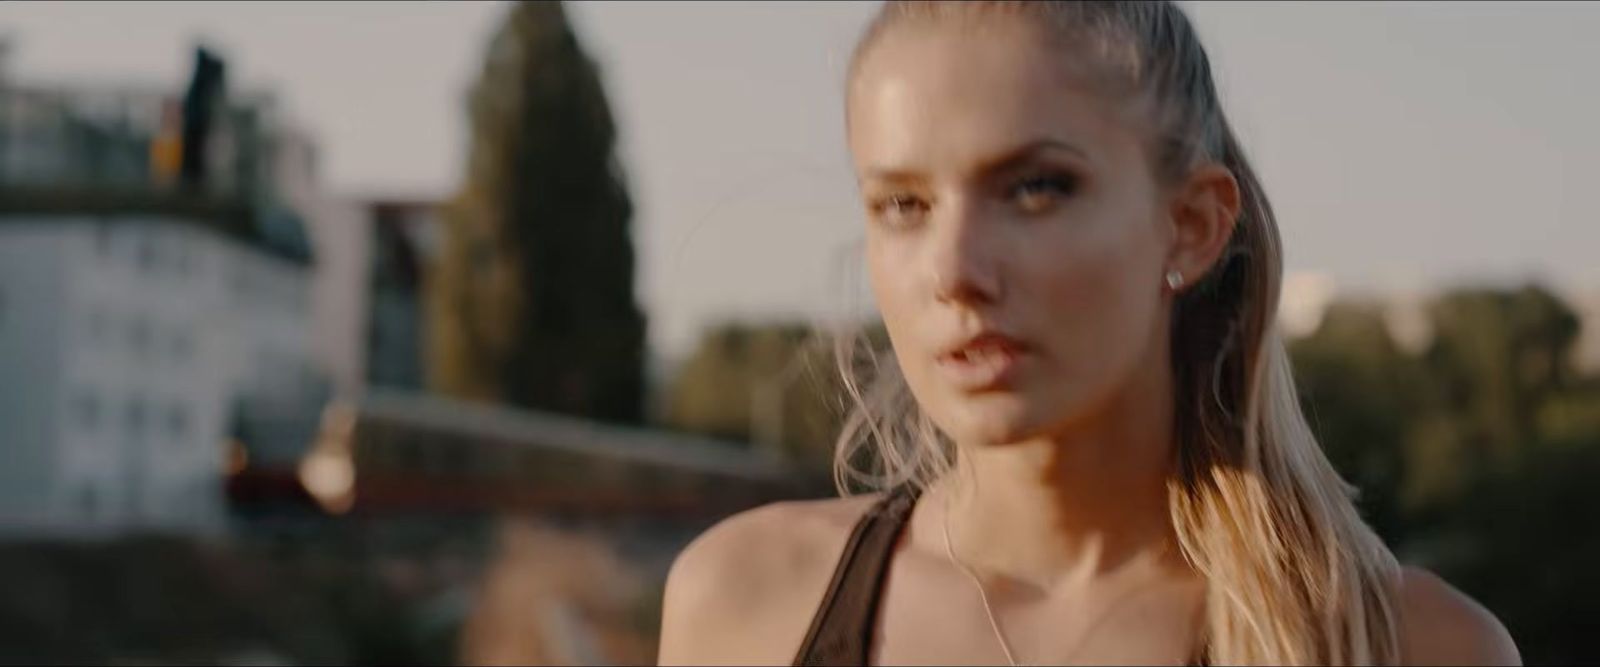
533	300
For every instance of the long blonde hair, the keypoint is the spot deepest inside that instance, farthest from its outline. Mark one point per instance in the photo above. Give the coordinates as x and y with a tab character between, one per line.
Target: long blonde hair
1294	576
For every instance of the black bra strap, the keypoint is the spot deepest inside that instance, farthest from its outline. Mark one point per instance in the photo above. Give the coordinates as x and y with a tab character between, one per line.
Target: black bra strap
841	631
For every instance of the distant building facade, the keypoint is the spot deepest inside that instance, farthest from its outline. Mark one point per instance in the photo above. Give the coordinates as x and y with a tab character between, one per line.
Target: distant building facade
404	238
140	348
367	290
154	307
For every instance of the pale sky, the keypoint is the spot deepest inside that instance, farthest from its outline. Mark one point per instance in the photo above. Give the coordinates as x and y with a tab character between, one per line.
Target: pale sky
1405	146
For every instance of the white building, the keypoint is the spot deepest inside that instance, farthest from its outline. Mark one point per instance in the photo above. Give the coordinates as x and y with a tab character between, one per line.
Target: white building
136	348
150	336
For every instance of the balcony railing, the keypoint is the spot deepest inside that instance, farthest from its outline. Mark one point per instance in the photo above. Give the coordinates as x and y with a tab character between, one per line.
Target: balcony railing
121	139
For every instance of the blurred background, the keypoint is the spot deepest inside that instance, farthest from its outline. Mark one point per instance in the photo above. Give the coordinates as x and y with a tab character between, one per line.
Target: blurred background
359	333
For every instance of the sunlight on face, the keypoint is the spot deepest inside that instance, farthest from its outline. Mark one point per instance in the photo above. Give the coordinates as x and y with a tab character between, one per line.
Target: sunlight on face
1003	198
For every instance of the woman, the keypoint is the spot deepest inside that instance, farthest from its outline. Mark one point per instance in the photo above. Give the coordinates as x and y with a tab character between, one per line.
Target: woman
1088	441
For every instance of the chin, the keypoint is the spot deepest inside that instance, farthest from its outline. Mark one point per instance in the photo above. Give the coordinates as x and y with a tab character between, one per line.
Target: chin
989	419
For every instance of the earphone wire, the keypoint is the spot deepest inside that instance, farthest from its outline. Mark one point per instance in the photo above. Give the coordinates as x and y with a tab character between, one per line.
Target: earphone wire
988	610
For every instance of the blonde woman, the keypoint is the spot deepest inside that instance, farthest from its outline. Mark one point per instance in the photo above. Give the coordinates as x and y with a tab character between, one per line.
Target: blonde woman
1087	443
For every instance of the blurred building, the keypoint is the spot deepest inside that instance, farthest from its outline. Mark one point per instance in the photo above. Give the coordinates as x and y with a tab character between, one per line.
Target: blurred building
367	292
404	237
154	302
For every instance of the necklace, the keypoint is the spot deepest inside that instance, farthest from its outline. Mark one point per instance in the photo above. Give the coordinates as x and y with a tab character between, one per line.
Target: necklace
988	609
977	583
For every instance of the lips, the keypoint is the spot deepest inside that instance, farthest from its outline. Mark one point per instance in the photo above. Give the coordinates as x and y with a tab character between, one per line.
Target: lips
986	361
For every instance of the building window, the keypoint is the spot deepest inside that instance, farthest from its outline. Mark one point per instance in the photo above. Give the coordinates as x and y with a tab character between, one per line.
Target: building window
86	411
194	259
180	257
97	325
182	345
148	254
139	336
102	239
136	415
177	422
89	500
241	283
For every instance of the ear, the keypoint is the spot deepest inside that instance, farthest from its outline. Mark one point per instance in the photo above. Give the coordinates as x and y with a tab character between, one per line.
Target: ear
1204	210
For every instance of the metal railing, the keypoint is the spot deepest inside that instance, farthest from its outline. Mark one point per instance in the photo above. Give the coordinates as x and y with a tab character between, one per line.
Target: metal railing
117	138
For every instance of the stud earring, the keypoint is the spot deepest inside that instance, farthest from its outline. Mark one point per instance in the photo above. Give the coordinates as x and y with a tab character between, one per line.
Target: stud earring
1174	279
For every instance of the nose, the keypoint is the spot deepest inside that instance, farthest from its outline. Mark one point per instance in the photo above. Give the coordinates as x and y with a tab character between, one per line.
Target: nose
963	264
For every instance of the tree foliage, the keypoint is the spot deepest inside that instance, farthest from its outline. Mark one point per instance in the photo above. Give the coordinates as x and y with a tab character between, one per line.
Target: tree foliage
774	385
533	303
1360	391
1473	456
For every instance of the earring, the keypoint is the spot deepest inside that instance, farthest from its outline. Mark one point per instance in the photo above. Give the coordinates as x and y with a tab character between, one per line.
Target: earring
1174	279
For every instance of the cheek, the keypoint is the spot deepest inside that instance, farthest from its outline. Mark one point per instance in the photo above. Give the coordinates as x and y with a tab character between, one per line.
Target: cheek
1097	299
907	310
887	277
893	286
1089	286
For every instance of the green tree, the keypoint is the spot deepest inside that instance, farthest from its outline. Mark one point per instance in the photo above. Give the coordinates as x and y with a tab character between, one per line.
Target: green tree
773	384
533	300
1497	356
1497	436
1524	545
770	384
1360	392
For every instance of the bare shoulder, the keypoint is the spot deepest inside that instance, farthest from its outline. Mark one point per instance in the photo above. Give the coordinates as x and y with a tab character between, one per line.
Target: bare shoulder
1440	625
744	591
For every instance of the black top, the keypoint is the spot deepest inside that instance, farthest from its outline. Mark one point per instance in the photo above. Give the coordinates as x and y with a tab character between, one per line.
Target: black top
841	630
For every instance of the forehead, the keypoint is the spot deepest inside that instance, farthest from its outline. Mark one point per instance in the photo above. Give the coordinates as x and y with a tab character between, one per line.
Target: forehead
942	95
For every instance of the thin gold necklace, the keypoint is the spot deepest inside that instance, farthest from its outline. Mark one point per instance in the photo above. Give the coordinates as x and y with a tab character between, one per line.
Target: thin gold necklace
983	594
978	583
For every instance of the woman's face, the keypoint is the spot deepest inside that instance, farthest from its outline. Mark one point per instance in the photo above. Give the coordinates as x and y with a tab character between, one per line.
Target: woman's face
1016	236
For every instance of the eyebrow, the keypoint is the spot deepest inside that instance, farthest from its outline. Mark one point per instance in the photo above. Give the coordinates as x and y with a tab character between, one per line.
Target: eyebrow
1004	161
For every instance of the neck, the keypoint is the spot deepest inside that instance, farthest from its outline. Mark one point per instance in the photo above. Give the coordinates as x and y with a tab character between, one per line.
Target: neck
1078	505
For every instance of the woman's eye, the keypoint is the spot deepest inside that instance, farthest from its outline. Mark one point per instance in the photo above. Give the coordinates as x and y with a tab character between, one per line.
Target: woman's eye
899	210
1039	193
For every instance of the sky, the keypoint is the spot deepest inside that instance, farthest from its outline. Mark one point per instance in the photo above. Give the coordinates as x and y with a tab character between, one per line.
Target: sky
1405	146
